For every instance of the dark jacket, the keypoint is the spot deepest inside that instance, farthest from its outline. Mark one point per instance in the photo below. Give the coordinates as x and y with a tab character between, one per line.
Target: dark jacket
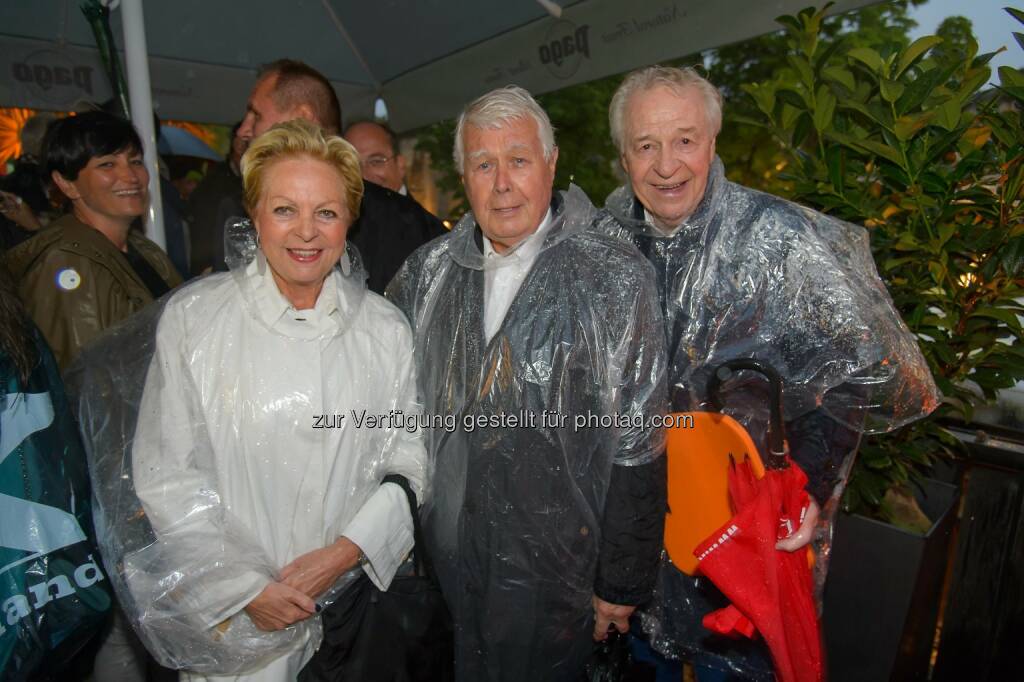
529	520
75	283
390	227
216	198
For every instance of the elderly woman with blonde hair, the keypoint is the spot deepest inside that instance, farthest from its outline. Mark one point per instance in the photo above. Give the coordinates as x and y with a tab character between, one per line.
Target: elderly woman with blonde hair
257	496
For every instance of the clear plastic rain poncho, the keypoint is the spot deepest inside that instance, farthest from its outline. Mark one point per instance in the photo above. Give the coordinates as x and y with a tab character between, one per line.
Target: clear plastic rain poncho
750	275
543	421
228	434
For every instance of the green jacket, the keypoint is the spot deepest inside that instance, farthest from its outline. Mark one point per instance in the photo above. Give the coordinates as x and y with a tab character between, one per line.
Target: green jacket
75	283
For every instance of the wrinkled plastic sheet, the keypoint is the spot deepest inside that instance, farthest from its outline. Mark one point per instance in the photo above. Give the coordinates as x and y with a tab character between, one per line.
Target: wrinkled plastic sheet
750	275
514	523
185	549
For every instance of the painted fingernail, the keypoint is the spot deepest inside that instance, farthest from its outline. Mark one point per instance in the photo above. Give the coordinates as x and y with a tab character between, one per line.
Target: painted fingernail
319	608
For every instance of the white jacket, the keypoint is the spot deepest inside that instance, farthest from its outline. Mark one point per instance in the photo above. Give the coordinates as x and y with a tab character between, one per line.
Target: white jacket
239	472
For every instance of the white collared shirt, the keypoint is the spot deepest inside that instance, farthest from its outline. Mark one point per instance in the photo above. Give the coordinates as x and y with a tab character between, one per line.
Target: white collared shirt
320	319
504	274
668	233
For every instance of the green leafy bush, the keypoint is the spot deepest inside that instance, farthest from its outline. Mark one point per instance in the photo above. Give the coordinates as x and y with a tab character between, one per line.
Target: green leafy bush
906	142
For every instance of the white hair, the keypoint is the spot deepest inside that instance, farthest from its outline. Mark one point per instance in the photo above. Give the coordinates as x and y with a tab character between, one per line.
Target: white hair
497	108
677	79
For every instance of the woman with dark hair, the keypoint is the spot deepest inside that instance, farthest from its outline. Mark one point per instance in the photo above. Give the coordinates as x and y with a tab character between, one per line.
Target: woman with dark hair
88	271
48	542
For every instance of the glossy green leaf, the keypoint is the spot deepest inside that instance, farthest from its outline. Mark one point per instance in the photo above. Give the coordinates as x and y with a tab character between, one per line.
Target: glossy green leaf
834	161
825	110
868	57
947	115
890	89
983	59
1008	317
1011	77
840	75
876	148
792	97
908	126
803	70
914	52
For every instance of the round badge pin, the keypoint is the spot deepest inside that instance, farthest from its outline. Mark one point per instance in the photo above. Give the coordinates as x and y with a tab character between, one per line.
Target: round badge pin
68	279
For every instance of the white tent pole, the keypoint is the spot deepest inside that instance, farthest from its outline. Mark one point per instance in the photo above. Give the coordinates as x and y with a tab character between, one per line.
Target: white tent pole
140	99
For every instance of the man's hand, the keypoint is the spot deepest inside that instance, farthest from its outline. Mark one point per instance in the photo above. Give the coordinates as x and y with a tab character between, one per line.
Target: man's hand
804	533
278	606
606	614
313	572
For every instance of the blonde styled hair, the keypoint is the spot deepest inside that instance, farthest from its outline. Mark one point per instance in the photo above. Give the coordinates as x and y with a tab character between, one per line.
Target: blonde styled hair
300	138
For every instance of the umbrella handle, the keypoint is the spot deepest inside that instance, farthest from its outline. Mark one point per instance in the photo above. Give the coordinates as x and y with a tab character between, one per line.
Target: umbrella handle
776	430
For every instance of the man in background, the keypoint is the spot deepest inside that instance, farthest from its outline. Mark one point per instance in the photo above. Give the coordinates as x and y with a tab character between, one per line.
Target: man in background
389	227
223	180
381	160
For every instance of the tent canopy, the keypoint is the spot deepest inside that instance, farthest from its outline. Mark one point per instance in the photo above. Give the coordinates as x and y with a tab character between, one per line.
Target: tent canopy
426	58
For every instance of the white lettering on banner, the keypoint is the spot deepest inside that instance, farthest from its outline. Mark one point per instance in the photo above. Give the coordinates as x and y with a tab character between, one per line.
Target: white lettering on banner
16	607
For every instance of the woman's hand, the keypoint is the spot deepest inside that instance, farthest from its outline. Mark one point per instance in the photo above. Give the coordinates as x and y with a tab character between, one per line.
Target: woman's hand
313	572
278	606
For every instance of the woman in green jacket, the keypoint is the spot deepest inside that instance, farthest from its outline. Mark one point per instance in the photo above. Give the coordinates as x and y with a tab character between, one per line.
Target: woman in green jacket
89	270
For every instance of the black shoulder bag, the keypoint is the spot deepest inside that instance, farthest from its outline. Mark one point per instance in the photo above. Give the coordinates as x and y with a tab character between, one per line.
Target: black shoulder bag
402	635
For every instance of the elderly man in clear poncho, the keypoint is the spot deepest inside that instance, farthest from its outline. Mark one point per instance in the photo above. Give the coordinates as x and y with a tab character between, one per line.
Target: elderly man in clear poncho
742	274
531	327
236	495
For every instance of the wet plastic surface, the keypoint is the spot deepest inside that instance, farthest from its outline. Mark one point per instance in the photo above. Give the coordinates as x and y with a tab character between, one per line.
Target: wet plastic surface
750	275
224	442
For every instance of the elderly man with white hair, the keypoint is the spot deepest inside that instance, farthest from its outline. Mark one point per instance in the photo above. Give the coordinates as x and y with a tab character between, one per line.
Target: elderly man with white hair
543	338
742	274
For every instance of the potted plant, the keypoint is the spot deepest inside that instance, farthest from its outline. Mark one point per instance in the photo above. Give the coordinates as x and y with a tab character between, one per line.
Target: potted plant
906	143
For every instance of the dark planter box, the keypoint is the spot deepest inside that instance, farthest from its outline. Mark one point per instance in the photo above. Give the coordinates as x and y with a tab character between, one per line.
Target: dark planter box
883	590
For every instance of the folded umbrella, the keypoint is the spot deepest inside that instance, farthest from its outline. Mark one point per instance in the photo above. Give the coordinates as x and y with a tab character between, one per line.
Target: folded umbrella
770	587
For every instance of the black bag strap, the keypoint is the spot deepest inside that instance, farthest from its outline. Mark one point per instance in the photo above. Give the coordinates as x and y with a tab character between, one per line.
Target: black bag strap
421	559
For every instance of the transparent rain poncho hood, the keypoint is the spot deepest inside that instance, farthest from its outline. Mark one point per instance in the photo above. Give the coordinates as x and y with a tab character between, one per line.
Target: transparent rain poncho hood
210	469
518	510
750	275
